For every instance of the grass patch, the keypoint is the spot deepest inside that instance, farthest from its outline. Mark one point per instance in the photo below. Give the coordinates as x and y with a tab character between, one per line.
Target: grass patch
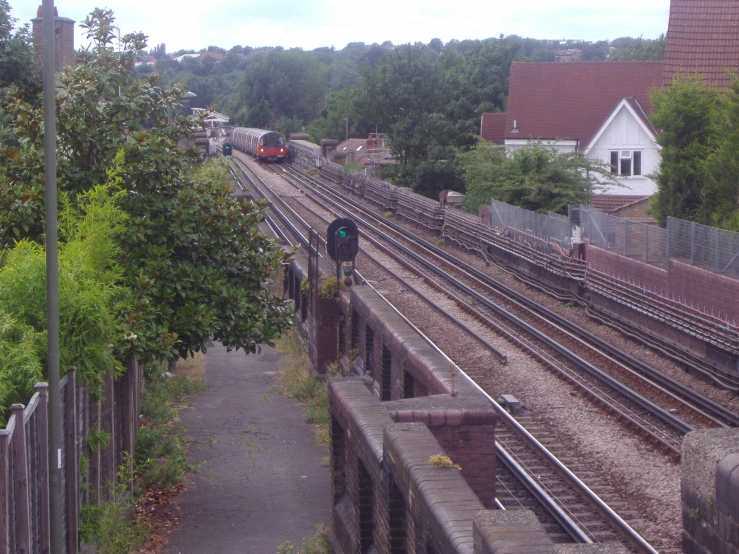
297	381
108	526
317	544
160	443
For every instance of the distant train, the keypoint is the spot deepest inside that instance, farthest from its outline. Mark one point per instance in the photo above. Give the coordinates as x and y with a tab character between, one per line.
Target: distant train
261	144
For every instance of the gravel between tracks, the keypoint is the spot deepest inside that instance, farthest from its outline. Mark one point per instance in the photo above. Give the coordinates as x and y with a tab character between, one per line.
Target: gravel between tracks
650	480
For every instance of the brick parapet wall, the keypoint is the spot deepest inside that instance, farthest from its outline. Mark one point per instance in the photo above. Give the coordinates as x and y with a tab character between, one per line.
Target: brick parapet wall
710	491
692	289
409	351
464	428
705	291
440	506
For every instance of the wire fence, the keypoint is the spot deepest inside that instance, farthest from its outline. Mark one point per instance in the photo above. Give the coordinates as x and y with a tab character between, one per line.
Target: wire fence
702	246
639	241
550	227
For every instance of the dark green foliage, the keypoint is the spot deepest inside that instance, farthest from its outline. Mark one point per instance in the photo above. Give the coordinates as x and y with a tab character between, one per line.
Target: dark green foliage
534	177
285	83
639	49
687	113
429	105
698	178
190	254
17	64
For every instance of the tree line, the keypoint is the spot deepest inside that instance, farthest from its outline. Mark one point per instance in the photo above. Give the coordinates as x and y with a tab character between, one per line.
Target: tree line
157	260
426	98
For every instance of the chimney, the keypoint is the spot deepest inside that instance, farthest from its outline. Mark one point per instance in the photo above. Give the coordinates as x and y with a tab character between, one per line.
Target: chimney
64	40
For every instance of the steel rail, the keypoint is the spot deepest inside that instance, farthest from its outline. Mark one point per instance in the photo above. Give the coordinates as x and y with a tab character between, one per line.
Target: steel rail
557	512
707	408
665	416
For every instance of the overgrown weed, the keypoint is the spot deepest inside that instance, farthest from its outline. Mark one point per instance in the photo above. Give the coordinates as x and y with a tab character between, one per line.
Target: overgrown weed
108	526
161	456
317	544
297	381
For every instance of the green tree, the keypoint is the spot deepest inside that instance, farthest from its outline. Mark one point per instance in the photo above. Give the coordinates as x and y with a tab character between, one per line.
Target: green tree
17	64
533	177
720	198
191	254
639	49
283	84
688	114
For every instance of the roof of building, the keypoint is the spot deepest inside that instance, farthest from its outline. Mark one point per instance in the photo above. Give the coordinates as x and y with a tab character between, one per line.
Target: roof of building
703	38
571	101
492	127
216	55
610	203
352	145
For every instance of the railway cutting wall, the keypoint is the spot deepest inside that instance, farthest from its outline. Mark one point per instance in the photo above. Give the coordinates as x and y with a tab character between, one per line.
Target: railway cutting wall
402	407
684	307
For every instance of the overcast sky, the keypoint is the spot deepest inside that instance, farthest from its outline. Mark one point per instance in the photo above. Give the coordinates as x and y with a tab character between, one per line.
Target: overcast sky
309	25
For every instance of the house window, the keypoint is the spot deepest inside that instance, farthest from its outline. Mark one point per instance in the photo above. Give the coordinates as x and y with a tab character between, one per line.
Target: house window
626	162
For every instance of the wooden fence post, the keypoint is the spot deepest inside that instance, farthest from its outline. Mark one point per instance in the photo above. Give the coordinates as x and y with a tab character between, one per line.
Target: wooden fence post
4	496
71	461
42	437
20	483
107	424
94	426
128	423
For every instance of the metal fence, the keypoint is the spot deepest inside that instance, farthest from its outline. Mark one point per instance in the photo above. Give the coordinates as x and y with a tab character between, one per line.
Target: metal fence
639	241
550	227
702	246
706	247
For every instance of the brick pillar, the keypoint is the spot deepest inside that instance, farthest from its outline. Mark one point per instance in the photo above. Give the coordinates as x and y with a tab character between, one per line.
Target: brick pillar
710	491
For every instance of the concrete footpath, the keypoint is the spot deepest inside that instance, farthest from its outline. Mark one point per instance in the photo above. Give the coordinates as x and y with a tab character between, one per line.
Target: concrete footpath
263	480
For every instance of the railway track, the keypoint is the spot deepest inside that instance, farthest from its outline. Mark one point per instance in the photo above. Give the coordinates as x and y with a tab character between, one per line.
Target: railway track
479	294
562	492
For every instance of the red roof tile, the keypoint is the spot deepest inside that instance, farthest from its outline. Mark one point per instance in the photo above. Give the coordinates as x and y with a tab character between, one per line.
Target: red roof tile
702	38
572	101
609	203
492	127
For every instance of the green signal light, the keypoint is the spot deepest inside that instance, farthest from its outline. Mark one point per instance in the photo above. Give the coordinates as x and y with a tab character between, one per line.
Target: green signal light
343	233
347	272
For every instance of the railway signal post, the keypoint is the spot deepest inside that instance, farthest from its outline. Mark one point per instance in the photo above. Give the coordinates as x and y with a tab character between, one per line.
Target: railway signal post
342	245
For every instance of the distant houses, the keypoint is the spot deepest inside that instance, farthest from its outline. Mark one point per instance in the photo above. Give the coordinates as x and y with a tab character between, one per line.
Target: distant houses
602	109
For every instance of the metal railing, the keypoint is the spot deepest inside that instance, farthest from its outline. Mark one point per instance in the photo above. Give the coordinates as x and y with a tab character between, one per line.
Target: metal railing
550	227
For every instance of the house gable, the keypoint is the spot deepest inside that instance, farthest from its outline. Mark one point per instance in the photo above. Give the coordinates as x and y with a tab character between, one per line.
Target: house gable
570	101
639	118
627	133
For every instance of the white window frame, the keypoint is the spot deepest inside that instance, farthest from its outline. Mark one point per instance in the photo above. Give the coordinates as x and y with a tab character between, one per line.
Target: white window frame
626	155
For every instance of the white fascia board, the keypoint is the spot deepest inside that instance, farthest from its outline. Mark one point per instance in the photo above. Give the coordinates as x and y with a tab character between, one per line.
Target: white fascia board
526	142
610	119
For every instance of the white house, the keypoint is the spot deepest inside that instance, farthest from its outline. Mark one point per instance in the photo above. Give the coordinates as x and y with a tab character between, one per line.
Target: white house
597	108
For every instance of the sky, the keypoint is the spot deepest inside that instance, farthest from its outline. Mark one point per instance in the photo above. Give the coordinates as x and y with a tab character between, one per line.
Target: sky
301	24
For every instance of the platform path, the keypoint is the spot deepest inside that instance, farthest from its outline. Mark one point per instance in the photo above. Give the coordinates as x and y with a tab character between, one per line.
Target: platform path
263	481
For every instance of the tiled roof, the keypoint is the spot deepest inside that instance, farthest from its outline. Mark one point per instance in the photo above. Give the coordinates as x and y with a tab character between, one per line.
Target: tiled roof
492	127
609	203
351	145
702	37
572	101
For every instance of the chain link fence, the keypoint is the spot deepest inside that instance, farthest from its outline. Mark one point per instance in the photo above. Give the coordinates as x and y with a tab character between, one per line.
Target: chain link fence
639	241
702	246
550	227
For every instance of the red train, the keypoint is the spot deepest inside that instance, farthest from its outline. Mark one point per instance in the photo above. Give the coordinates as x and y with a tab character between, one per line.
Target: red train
261	144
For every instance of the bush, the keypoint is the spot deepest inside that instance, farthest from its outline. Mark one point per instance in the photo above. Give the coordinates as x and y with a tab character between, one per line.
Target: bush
160	444
88	301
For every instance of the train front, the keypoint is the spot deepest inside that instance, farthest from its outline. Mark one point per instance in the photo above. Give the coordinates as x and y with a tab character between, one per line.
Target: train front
272	147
